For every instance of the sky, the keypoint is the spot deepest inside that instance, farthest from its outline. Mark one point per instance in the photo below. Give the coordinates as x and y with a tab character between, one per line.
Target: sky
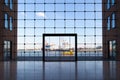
36	19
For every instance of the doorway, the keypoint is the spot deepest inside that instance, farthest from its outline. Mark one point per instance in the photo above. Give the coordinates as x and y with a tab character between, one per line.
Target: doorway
112	49
7	50
59	47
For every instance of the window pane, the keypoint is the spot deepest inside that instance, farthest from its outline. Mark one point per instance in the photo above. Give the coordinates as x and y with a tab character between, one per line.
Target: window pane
6	21
49	23
113	2
11	23
39	7
6	2
59	15
49	7
59	23
114	47
69	7
29	7
29	31
79	7
108	4
11	4
5	48
113	20
69	15
69	23
89	7
79	23
59	7
108	23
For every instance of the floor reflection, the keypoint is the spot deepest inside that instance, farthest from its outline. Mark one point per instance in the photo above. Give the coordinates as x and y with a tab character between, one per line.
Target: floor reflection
81	70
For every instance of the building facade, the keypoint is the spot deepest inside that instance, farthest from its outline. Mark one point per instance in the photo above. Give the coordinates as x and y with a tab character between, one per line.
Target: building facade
111	31
8	29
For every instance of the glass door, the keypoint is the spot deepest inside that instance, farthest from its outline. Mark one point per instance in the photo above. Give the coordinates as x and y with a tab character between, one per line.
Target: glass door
59	47
7	50
112	49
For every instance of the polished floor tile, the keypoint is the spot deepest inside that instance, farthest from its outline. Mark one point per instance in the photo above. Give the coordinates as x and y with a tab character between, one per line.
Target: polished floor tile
80	70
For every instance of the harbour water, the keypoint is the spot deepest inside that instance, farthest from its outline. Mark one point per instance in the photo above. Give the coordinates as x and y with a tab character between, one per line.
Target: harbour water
37	53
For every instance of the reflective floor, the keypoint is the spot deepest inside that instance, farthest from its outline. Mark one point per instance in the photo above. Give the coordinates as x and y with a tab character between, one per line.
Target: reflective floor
81	70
